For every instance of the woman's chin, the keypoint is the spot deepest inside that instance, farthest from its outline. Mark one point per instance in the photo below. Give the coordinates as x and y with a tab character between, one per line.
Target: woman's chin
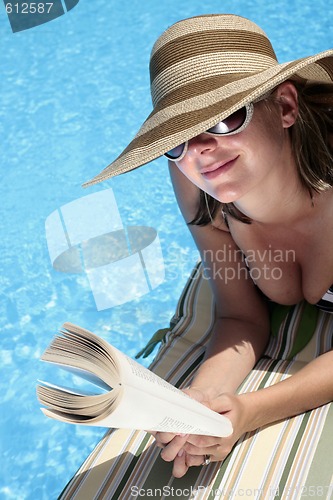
227	193
226	197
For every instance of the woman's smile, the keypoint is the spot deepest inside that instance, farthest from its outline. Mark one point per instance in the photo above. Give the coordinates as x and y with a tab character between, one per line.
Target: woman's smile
221	168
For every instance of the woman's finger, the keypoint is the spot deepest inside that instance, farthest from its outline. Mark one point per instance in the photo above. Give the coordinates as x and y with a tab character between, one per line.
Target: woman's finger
165	437
172	449
180	466
195	460
201	451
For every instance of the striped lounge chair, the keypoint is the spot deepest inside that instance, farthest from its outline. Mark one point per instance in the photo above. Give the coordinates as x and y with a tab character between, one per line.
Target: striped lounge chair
291	459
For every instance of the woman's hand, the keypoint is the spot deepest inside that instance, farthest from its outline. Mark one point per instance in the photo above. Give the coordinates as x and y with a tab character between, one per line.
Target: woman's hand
173	443
198	447
191	450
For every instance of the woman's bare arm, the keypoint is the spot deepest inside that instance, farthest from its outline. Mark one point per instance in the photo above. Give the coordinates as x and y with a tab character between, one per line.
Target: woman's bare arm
309	388
238	340
241	330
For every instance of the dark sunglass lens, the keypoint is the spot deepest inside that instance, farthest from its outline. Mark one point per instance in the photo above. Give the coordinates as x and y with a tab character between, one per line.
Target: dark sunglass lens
231	123
176	152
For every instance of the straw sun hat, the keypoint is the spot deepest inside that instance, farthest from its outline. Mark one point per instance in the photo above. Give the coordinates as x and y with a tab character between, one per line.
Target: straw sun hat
203	69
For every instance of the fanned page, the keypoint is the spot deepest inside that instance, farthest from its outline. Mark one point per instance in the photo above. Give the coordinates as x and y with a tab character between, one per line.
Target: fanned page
136	398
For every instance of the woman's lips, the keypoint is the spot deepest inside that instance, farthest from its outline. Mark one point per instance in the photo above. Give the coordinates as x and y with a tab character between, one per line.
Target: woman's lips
211	174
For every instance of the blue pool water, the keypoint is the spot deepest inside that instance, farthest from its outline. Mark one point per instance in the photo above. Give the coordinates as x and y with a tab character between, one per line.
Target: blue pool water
73	93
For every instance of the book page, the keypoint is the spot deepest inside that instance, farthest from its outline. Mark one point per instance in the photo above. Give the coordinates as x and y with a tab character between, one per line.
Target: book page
140	410
86	355
140	379
140	399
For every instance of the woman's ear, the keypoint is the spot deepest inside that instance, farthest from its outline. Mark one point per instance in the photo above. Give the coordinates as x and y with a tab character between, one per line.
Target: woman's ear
286	94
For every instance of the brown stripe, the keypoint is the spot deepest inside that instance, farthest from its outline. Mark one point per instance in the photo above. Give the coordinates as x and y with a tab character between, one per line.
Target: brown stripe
207	42
222	104
182	123
195	89
327	65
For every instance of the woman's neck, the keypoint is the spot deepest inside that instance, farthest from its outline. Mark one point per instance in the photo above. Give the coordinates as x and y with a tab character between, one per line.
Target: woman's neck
293	210
281	198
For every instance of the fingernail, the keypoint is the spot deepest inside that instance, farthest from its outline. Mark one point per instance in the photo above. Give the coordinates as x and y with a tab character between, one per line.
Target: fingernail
181	453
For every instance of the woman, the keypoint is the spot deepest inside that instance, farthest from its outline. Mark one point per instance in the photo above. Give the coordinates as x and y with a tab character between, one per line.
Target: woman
249	143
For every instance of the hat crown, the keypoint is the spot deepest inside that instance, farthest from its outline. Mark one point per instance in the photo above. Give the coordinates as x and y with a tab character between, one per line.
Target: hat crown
205	52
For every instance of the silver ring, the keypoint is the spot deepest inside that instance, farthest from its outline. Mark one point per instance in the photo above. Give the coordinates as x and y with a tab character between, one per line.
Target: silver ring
207	460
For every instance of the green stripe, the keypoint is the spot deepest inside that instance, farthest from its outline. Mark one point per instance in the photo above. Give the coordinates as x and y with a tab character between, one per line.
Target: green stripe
278	315
292	454
271	369
320	473
306	328
189	371
285	333
159	476
224	465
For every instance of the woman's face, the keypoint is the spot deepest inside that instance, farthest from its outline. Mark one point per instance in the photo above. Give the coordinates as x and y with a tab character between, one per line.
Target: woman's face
234	167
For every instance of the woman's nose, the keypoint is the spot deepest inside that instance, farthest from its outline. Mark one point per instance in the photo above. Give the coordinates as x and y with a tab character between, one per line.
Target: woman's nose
202	143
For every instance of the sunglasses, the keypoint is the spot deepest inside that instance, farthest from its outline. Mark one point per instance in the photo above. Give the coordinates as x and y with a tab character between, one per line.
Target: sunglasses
233	124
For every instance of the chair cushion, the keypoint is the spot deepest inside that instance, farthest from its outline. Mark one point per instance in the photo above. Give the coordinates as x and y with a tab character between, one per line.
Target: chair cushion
289	459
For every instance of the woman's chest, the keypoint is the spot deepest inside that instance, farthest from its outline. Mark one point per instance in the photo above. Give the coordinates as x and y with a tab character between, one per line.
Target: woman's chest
289	266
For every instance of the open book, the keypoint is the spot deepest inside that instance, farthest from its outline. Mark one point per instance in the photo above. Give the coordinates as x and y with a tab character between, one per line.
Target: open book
130	395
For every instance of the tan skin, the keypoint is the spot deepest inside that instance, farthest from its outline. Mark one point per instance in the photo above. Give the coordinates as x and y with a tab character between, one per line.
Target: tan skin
263	183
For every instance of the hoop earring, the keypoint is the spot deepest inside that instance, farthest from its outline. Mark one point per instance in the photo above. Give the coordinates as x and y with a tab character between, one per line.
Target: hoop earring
224	214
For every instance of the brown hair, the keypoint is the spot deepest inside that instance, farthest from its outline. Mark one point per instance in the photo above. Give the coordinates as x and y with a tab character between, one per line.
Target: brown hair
312	144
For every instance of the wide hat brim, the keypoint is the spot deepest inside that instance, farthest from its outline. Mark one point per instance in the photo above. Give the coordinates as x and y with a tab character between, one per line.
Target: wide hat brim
188	110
